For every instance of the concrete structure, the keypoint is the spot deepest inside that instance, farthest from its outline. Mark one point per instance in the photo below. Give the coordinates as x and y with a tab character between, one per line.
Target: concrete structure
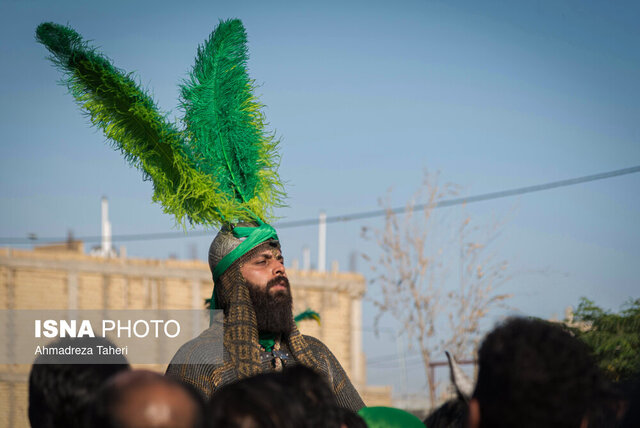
62	276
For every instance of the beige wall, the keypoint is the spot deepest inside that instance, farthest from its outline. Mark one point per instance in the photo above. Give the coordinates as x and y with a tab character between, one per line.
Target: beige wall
64	277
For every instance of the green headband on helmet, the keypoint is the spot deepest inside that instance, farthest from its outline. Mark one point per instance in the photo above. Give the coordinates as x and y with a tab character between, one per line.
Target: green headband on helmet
253	237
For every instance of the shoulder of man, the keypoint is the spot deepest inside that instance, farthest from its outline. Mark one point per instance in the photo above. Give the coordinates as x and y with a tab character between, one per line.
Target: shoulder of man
207	348
321	351
201	363
313	341
318	348
331	368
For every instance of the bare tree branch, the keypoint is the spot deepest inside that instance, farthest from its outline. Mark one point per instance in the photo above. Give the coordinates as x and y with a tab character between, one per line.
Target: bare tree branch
413	274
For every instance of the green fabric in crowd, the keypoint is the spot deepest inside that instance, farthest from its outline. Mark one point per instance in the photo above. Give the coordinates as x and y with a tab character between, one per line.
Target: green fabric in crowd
389	417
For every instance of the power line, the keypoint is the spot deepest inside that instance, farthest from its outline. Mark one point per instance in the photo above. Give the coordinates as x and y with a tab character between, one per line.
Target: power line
350	217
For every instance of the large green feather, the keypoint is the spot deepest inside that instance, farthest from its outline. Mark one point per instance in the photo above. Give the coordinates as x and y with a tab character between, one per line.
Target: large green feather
184	182
225	123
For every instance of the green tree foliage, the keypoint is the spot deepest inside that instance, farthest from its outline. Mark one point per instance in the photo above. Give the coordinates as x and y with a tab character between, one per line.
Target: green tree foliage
614	337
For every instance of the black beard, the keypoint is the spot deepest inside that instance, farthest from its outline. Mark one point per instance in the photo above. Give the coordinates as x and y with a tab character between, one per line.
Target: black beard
273	310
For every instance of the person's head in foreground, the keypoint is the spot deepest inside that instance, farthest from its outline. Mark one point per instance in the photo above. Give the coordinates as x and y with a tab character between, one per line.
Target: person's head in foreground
451	414
319	402
295	397
145	399
534	373
60	393
260	401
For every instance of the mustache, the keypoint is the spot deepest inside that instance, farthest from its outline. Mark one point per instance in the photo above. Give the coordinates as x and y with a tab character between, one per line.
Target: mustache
279	280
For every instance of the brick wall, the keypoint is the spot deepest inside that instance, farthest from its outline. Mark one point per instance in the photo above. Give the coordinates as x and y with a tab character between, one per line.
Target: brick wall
63	277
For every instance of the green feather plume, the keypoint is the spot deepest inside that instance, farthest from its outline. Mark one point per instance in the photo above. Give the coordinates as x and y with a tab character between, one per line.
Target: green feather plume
225	122
307	315
194	177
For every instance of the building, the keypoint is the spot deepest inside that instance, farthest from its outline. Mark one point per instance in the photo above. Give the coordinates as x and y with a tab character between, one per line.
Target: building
62	276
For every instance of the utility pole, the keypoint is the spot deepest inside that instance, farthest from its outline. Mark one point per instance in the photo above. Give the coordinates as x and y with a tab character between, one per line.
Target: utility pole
322	242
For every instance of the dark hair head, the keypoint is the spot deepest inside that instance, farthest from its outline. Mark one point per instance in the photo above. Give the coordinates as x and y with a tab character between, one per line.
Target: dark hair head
259	401
452	414
297	396
60	394
320	403
631	399
534	373
314	389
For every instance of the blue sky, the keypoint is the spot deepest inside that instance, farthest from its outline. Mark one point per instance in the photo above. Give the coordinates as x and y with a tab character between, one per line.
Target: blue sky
364	96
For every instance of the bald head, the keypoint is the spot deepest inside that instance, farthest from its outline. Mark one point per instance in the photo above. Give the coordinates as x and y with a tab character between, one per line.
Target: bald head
144	399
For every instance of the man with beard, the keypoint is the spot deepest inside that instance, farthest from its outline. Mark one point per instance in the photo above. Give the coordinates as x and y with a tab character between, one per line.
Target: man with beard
252	289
